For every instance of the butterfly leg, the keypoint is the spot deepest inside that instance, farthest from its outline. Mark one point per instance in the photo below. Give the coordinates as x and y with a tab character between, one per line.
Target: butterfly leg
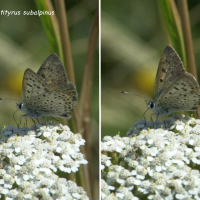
43	122
157	116
21	120
14	118
165	126
26	121
38	120
162	119
153	120
58	120
33	120
144	116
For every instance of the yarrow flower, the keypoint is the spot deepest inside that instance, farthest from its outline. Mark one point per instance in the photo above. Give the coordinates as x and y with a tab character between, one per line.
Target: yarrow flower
33	162
157	160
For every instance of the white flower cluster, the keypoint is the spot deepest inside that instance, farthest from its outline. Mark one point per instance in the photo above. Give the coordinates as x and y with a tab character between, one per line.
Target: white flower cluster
161	163
33	162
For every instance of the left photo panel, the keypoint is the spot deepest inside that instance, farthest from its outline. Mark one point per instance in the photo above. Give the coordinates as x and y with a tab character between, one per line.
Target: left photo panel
49	99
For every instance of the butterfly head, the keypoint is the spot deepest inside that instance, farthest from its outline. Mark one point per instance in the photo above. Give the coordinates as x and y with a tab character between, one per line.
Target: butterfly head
158	110
20	105
32	113
151	105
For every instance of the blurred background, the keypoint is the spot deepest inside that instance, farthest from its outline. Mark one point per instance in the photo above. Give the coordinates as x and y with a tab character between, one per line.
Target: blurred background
132	41
25	45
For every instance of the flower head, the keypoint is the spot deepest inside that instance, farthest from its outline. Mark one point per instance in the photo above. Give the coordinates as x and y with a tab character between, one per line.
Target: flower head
156	161
32	160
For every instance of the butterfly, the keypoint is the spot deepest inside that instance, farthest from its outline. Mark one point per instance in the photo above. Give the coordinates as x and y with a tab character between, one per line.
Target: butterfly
48	92
174	88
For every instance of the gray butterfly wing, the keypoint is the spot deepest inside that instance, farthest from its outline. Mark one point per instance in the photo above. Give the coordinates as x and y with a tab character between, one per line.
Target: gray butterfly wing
182	95
170	66
54	75
40	100
32	85
51	103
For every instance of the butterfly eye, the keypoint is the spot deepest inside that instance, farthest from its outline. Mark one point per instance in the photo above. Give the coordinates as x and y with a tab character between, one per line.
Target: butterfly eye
20	105
151	104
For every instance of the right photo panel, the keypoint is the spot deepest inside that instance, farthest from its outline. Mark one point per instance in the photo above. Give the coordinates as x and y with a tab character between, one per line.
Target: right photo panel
150	97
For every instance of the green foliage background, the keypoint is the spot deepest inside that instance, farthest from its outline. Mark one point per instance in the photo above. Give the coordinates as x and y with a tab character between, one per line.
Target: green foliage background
24	45
132	41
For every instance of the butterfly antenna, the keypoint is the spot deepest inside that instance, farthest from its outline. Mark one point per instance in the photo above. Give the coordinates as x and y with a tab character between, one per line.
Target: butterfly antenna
145	113
135	95
8	100
14	117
